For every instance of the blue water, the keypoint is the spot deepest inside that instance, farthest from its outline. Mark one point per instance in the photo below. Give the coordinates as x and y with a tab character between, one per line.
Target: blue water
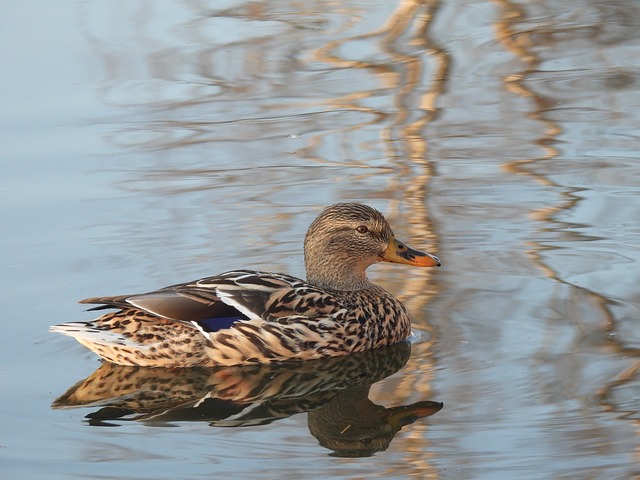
147	144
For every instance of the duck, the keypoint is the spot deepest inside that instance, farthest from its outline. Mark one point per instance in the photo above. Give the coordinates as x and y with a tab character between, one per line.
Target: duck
245	317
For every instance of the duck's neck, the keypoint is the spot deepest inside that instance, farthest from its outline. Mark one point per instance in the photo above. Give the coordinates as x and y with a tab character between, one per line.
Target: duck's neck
337	276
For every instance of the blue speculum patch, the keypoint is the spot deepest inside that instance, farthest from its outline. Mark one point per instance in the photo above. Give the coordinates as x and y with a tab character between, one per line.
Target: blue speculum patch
219	323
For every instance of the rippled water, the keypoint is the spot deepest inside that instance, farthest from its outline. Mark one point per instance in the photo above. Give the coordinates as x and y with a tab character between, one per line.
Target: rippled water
148	143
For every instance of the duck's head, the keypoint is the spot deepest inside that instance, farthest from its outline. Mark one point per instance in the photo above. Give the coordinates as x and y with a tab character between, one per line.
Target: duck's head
348	237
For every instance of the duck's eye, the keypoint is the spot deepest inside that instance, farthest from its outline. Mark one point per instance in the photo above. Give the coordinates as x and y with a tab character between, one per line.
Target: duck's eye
362	229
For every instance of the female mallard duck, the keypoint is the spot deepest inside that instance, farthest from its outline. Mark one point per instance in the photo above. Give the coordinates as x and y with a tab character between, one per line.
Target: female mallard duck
246	316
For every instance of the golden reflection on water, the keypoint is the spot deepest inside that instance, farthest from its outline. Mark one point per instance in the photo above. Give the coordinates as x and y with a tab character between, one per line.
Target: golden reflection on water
528	46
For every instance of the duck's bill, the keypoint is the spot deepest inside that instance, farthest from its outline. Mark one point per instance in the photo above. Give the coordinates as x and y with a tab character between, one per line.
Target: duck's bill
398	252
404	415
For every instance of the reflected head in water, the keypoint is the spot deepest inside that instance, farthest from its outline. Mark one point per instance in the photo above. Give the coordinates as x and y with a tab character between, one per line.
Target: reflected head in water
353	426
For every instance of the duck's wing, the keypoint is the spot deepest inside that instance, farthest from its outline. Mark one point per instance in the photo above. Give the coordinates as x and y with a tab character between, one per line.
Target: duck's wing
217	302
162	303
266	296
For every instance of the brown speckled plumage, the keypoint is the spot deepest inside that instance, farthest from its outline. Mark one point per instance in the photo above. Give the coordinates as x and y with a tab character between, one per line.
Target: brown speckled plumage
244	316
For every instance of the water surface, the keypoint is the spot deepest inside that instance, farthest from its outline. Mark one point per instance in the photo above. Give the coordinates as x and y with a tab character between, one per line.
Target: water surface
150	143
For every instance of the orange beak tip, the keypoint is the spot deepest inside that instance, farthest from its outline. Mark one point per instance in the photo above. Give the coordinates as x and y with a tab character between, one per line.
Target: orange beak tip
428	261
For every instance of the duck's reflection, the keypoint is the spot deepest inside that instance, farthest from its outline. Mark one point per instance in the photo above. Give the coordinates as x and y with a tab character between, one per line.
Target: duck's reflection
334	392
